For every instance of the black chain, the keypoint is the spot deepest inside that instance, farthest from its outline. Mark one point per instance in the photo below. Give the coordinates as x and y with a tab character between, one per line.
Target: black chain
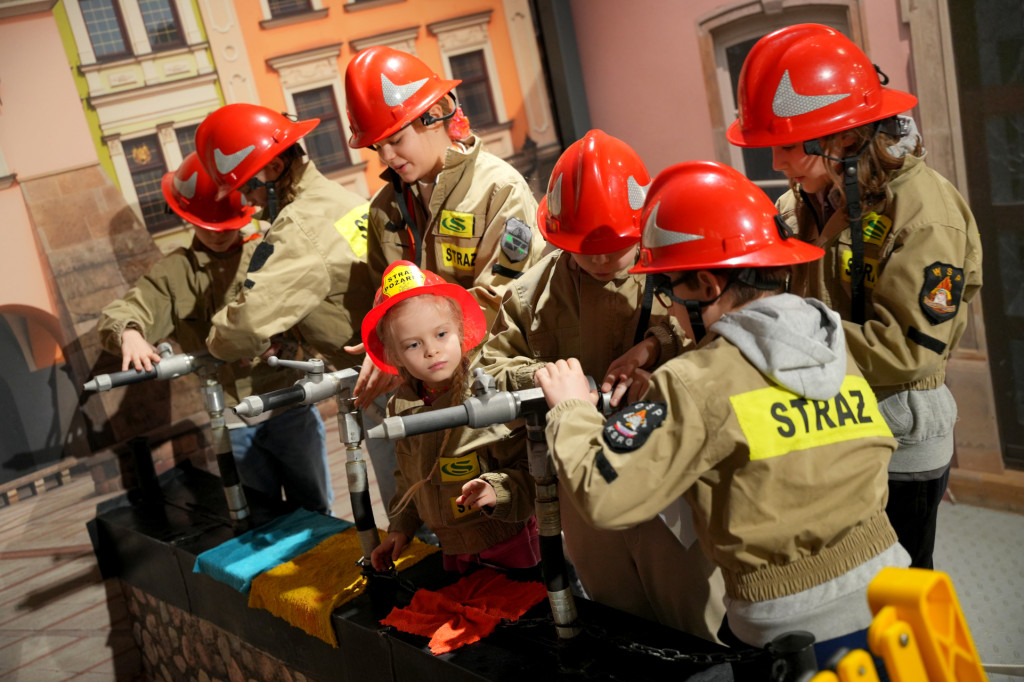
675	656
663	654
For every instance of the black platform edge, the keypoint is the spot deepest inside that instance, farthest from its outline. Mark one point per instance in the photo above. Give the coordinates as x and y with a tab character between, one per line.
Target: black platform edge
152	545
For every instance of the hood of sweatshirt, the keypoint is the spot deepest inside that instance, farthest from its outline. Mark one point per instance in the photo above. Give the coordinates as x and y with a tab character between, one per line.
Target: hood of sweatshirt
797	342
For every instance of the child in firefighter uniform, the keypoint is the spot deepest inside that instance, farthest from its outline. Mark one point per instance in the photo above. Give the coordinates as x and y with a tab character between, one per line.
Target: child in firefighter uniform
448	205
902	250
281	449
309	270
767	429
580	301
471	487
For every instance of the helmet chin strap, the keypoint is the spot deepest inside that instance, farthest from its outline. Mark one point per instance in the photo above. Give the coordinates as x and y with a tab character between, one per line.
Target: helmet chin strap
694	308
427	119
851	187
271	187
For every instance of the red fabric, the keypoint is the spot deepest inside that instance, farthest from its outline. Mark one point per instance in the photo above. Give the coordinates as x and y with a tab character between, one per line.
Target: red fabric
467	611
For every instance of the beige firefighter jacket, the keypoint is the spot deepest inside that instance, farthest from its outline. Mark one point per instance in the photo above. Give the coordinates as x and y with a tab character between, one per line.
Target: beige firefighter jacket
795	502
480	226
555	310
496	454
178	298
307	272
923	234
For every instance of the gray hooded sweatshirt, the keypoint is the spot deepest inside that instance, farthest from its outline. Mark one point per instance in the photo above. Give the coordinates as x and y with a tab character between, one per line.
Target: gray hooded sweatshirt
797	342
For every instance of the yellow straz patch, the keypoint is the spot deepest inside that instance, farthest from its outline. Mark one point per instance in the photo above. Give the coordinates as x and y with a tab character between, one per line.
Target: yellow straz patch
352	226
876	228
776	421
458	257
459	468
460	510
456	224
870	269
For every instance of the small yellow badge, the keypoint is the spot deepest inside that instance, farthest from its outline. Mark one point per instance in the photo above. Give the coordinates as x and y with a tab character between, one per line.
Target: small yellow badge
870	269
876	228
460	258
459	468
456	224
401	278
460	510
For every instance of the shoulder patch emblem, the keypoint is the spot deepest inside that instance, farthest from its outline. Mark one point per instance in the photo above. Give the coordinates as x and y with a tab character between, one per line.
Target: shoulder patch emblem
515	242
260	256
941	291
875	227
629	429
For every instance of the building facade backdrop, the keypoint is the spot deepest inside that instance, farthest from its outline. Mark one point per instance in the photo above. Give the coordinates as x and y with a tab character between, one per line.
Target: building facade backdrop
131	79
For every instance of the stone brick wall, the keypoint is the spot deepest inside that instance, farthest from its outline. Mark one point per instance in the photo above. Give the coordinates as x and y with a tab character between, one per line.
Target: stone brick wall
176	645
96	248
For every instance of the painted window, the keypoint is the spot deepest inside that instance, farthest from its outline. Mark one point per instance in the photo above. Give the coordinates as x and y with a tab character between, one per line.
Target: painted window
147	166
283	8
106	29
475	90
732	34
186	139
326	143
162	25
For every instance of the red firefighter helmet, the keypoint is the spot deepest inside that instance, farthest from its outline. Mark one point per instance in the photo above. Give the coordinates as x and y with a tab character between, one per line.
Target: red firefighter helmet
191	193
236	141
402	280
704	215
595	195
385	89
806	81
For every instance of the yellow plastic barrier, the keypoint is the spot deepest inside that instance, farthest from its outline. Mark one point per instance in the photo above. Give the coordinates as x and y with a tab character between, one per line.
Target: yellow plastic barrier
856	666
919	629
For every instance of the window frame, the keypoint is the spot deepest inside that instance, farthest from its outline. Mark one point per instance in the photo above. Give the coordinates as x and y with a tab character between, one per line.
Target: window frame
182	40
122	27
312	69
470	33
162	224
485	79
720	30
342	131
304	10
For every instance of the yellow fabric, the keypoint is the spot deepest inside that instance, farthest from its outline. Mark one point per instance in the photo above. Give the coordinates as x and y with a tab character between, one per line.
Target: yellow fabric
307	589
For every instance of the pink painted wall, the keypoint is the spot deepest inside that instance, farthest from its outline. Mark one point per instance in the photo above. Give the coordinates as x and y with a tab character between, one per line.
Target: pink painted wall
42	126
644	78
42	131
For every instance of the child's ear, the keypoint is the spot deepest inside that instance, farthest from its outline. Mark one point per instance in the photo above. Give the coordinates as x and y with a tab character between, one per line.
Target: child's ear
437	111
274	167
710	286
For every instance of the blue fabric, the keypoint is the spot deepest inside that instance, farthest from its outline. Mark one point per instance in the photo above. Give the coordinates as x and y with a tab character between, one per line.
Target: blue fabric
239	560
287	451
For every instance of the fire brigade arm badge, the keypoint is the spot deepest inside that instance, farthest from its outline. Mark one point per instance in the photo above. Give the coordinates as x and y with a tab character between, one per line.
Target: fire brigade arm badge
629	429
515	241
941	291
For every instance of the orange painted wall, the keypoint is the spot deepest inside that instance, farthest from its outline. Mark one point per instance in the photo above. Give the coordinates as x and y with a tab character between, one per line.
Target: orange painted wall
342	27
